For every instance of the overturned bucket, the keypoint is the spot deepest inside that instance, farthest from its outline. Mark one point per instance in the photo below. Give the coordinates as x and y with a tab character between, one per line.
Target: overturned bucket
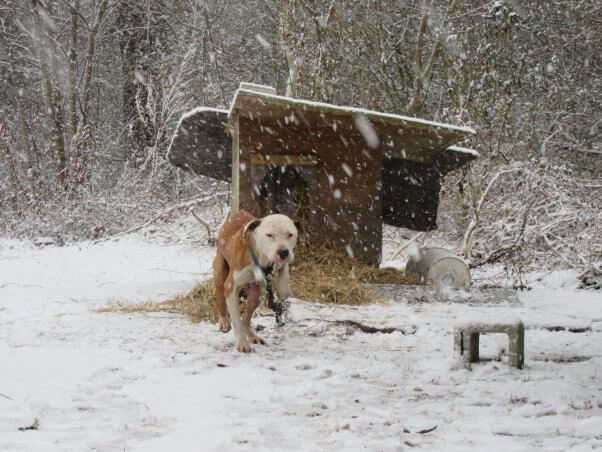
439	267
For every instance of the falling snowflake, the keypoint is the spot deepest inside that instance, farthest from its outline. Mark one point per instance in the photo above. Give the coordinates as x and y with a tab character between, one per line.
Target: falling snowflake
261	40
365	127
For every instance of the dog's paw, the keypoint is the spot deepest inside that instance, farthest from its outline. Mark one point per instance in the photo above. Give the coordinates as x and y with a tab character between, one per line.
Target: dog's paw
253	338
224	324
243	346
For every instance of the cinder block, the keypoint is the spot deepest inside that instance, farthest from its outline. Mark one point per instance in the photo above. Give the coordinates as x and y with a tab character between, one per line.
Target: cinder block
466	338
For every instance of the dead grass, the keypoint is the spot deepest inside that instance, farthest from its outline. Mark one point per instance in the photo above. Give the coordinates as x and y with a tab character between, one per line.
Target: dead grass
330	276
320	274
197	304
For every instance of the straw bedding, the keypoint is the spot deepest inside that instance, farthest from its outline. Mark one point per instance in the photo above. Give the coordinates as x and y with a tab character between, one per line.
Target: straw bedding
320	273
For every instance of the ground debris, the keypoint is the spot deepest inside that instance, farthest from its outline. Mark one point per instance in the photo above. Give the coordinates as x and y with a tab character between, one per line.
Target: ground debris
33	426
345	426
371	329
426	430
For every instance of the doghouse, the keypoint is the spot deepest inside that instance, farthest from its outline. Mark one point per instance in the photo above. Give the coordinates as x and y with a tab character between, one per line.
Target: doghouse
343	171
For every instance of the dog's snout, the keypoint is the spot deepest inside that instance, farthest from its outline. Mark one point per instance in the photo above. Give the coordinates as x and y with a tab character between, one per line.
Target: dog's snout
283	254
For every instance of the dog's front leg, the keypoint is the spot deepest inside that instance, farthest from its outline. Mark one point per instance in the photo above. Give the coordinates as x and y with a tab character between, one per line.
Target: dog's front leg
242	343
283	287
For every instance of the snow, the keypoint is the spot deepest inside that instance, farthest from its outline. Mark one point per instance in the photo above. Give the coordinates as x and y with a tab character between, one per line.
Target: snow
480	320
463	150
264	43
256	88
151	382
196	110
367	130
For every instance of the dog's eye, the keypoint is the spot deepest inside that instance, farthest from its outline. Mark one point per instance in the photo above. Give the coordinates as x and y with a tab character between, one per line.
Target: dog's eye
290	235
269	235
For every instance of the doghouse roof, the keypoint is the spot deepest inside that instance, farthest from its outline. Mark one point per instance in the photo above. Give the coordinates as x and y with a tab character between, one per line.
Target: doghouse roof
202	144
400	136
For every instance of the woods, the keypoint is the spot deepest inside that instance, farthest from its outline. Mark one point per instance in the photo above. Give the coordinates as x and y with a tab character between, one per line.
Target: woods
92	90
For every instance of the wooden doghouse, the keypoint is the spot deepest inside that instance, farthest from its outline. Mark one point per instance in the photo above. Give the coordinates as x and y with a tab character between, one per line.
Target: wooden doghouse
343	171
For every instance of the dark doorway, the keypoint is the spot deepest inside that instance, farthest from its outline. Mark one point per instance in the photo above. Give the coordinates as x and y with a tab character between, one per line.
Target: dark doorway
284	190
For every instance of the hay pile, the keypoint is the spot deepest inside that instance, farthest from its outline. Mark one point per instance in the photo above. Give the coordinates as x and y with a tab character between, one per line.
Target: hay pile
329	275
320	273
197	304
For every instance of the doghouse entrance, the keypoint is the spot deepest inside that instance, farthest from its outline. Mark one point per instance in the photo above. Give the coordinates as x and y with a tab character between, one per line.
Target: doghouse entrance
284	190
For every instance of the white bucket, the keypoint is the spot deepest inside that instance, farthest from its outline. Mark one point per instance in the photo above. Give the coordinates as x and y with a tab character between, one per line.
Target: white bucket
439	267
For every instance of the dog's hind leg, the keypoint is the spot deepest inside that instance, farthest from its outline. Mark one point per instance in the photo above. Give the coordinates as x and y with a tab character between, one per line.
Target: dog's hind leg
220	273
253	291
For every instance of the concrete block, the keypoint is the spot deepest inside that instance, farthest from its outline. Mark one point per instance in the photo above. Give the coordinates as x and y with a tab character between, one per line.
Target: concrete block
467	333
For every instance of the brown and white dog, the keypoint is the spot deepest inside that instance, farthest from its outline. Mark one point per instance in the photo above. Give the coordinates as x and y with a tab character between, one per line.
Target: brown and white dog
272	239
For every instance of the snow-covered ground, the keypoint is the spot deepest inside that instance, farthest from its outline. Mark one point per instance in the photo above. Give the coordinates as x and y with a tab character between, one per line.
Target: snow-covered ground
156	382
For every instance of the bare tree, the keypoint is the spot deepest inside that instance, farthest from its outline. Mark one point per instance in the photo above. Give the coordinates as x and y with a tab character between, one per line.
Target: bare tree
291	43
72	71
89	61
13	184
421	74
46	52
142	28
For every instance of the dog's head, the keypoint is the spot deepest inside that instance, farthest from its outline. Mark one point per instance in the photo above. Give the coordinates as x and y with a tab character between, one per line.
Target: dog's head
275	236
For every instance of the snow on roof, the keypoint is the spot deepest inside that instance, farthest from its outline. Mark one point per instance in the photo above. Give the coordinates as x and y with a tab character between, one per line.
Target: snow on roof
321	106
257	88
464	150
187	115
196	110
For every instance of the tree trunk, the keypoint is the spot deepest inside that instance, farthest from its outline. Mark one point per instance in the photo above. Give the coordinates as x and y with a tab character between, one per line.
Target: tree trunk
71	72
52	105
9	166
141	44
208	27
322	24
92	32
29	150
420	75
134	47
290	45
415	105
78	168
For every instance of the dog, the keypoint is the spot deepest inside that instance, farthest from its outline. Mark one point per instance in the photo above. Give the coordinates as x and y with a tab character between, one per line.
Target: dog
246	247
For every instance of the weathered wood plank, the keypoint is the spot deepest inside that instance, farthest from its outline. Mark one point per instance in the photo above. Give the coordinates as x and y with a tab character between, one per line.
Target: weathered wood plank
282	160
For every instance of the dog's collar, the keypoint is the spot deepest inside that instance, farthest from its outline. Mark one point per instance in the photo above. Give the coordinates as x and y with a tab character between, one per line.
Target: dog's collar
252	252
267	270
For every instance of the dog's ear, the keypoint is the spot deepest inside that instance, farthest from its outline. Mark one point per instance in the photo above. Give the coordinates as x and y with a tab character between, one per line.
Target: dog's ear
300	229
250	227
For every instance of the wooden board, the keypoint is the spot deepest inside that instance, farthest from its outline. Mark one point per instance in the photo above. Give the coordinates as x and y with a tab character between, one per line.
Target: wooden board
399	136
282	160
279	107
